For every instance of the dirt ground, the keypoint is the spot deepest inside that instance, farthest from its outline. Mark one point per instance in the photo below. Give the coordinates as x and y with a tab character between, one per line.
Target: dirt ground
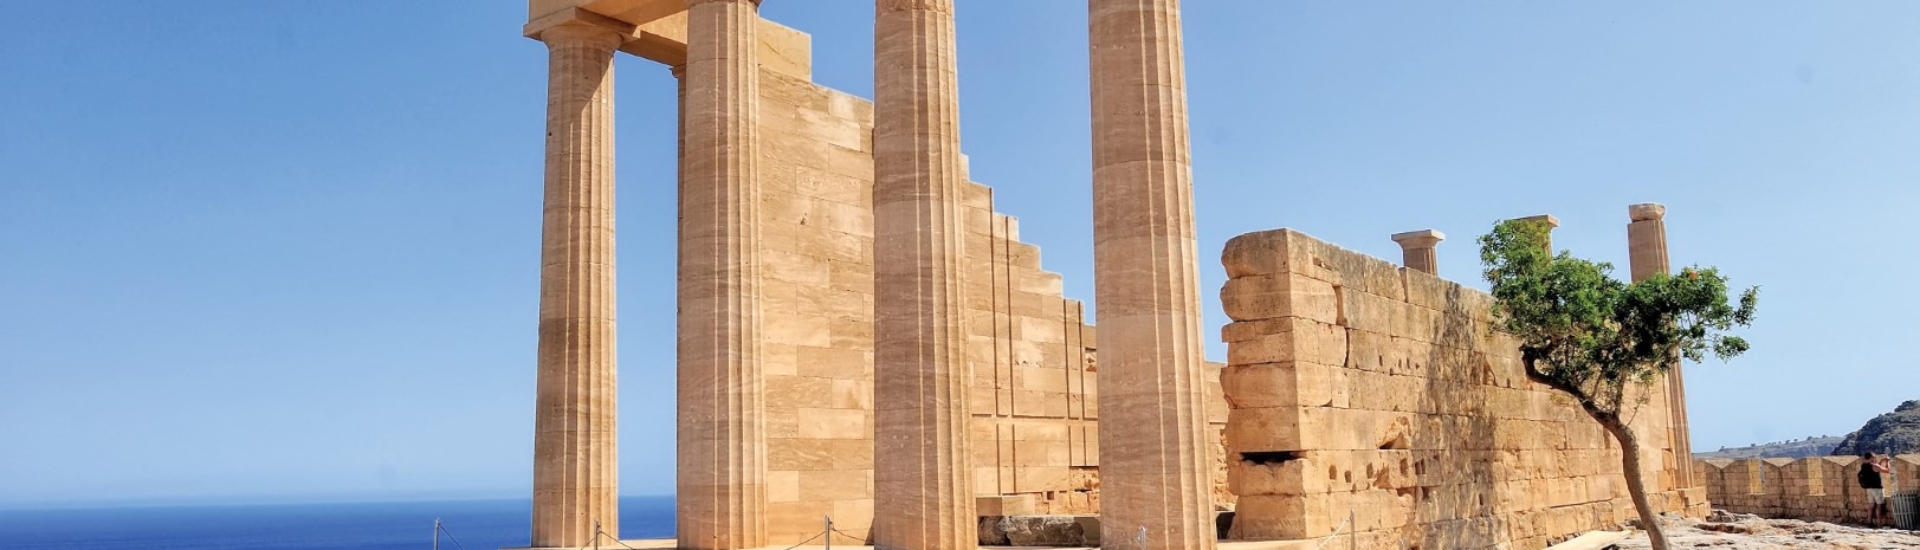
1746	532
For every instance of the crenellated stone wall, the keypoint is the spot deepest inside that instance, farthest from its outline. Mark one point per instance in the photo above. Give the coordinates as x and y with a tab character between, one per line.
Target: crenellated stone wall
1360	387
1824	488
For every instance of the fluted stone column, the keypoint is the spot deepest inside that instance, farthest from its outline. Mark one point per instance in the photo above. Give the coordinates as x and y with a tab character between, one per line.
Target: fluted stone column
1647	255
923	480
1416	249
575	464
1155	475
721	499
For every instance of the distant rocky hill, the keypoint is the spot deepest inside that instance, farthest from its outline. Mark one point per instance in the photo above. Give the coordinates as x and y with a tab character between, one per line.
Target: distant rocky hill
1812	446
1898	431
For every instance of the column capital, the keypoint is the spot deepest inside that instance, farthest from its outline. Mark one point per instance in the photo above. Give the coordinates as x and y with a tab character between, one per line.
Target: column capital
1552	222
1425	238
1646	211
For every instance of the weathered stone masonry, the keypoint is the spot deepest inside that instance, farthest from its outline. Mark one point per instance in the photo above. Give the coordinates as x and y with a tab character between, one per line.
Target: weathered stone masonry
1360	386
781	259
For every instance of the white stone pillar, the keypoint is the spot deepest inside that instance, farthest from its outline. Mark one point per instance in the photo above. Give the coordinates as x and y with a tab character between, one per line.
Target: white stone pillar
575	466
1417	249
1155	476
923	479
722	497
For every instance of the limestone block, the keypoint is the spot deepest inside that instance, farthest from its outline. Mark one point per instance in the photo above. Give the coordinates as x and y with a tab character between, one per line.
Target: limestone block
1004	505
1279	295
982	401
836	485
1025	255
1040	330
1041	404
845	105
853	163
794	123
1371	312
1359	272
850	276
1028	304
850	334
974	195
1294	339
783	486
987	480
835	363
793	520
851	454
779	359
823	423
791	392
805	455
1086	447
786	90
1278	517
798	330
1271	252
1037	281
782	424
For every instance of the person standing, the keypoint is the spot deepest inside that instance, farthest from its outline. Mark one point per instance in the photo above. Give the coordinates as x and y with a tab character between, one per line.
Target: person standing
1871	468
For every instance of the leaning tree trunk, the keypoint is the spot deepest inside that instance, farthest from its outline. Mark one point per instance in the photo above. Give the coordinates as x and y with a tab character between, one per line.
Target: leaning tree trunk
1636	483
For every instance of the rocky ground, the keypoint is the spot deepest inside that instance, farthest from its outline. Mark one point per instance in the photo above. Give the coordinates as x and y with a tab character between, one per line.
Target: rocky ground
1725	531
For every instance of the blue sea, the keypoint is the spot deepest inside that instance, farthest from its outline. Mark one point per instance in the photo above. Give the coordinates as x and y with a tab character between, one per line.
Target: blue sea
475	524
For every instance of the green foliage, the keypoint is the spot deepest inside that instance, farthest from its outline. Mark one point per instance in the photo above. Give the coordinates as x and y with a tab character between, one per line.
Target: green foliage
1584	332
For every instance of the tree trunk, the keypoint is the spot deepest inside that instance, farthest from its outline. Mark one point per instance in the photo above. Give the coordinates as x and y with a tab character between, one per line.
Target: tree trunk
1636	483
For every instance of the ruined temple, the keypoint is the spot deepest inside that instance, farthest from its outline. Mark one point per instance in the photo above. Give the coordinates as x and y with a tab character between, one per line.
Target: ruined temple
863	337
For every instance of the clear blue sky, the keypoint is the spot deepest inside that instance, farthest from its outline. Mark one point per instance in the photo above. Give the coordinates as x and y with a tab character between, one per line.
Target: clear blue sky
288	250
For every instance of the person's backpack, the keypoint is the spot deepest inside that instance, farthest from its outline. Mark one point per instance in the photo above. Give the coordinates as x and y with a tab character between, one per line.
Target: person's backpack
1869	478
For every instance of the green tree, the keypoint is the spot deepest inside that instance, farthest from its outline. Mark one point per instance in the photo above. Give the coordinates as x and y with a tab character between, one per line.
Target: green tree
1597	339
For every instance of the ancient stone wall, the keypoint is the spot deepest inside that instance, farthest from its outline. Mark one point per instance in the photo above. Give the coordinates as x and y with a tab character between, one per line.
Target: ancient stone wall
1360	389
1035	444
1823	488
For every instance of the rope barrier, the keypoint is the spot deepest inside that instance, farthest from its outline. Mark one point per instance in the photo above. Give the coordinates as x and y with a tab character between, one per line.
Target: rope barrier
804	542
1336	531
851	535
616	540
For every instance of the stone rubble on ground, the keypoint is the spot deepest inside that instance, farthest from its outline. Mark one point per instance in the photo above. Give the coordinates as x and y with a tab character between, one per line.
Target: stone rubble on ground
1725	531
